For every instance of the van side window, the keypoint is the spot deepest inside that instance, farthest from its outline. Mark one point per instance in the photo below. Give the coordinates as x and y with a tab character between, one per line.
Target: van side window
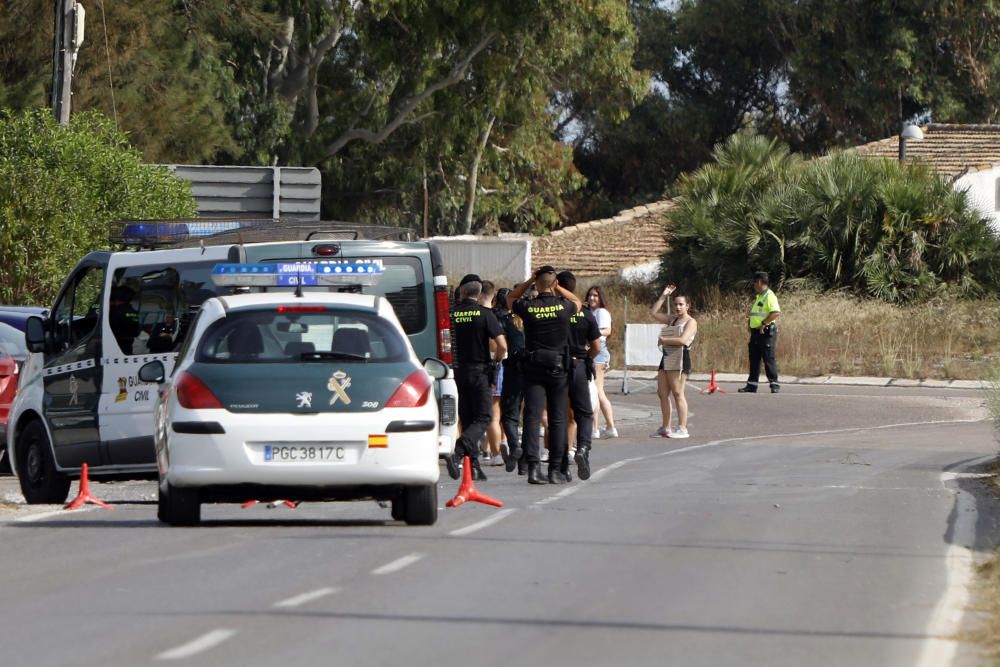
78	313
162	300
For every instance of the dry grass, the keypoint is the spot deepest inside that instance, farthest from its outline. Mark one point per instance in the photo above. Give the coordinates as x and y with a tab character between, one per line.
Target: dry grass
835	334
986	601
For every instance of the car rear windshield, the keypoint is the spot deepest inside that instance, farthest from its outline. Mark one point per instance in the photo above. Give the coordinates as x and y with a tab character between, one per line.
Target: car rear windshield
402	284
275	335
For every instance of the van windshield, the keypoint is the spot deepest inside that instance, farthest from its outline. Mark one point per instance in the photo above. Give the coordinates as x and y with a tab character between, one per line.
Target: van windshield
270	335
402	285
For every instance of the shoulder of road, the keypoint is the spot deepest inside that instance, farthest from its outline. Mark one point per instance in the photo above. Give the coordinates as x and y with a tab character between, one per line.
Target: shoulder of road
857	381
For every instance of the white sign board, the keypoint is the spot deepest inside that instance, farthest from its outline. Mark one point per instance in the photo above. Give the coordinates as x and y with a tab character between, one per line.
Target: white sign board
641	345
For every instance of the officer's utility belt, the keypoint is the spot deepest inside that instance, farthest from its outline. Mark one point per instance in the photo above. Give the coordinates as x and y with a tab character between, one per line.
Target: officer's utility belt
546	360
769	330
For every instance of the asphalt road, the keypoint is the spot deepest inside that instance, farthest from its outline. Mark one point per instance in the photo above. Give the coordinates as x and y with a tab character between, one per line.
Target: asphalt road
824	526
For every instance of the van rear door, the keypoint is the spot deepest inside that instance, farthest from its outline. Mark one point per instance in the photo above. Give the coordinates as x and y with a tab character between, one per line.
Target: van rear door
162	291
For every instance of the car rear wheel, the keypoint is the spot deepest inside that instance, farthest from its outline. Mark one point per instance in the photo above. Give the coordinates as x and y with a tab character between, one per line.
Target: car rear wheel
40	482
399	507
420	505
178	506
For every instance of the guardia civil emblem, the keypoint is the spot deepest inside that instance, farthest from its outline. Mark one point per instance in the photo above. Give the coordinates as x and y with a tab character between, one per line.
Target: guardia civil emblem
338	384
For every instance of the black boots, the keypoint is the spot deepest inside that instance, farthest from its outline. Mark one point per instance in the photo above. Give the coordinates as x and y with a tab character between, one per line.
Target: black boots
513	460
535	474
557	476
477	472
582	459
564	468
451	462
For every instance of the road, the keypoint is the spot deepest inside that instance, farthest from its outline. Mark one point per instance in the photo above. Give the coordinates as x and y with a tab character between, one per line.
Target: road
824	526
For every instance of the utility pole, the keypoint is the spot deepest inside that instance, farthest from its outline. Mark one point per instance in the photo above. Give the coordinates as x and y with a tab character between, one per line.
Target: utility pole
66	40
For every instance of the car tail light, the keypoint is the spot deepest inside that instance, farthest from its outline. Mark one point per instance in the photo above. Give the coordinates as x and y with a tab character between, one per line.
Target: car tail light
301	309
193	394
412	393
443	323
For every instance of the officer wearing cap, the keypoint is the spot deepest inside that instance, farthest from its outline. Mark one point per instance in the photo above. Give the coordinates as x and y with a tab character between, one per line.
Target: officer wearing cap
546	368
763	335
473	326
584	344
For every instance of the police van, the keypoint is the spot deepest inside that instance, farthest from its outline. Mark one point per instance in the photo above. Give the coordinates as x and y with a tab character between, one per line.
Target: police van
81	399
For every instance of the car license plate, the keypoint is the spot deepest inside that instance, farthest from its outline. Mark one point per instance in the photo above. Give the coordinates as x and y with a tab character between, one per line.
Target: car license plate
310	453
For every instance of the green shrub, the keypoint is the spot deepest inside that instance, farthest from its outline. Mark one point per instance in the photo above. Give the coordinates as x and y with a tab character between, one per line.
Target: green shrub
59	189
876	227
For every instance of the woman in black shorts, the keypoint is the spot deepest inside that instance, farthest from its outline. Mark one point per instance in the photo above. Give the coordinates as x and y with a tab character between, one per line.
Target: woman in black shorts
675	366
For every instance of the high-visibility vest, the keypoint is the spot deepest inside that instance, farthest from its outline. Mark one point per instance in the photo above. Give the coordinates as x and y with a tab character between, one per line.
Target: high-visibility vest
764	304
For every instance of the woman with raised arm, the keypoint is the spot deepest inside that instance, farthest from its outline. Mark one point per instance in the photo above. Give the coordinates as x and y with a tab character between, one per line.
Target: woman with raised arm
675	341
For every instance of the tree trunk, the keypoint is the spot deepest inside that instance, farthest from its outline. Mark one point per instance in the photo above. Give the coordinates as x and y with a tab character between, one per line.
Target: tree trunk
473	177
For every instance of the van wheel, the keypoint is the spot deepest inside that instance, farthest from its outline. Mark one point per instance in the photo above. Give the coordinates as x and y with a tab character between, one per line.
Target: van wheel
178	506
420	505
40	482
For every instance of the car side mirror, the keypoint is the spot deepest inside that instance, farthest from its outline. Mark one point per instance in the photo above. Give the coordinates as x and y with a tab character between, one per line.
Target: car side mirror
153	372
436	368
34	334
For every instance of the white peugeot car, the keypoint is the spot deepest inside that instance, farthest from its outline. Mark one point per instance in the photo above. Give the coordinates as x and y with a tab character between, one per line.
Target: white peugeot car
312	397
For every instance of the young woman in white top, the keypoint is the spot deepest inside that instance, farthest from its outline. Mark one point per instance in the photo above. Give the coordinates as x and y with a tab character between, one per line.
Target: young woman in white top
675	366
595	301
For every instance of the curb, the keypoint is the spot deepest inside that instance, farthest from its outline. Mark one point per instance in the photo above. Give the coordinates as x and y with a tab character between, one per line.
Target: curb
858	381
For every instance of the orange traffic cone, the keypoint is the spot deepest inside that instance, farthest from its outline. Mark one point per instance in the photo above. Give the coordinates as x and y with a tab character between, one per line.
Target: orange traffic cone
467	491
84	496
287	503
713	386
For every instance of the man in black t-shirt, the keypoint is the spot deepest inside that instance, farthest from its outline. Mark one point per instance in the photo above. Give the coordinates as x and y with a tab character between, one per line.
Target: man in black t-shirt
546	368
584	344
473	326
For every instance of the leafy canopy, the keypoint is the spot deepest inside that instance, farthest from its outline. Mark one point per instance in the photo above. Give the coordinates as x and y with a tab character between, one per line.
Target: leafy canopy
59	189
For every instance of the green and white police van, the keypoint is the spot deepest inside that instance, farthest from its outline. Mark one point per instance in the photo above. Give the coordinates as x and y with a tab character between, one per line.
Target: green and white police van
80	398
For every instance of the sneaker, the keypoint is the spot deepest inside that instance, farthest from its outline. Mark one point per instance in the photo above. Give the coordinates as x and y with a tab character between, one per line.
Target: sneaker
680	432
660	433
609	433
775	388
497	461
747	390
545	455
505	452
596	435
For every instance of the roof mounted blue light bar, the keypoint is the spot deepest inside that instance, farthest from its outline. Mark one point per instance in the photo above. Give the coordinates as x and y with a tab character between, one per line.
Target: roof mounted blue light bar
294	274
162	232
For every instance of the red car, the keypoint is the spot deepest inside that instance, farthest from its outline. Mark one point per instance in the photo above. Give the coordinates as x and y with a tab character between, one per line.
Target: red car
12	354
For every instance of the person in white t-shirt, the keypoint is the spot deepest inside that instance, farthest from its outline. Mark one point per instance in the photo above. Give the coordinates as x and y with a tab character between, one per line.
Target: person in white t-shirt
596	302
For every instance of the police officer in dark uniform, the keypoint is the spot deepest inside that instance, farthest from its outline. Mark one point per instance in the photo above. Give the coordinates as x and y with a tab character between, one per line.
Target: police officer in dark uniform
473	325
545	367
584	344
123	318
512	390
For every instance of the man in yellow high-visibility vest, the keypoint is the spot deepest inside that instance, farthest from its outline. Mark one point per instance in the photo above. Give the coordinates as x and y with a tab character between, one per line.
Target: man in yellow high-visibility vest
763	335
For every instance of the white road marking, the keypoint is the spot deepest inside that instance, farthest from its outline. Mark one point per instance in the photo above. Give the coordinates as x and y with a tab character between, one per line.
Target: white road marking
941	646
485	523
299	600
199	645
398	564
41	516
